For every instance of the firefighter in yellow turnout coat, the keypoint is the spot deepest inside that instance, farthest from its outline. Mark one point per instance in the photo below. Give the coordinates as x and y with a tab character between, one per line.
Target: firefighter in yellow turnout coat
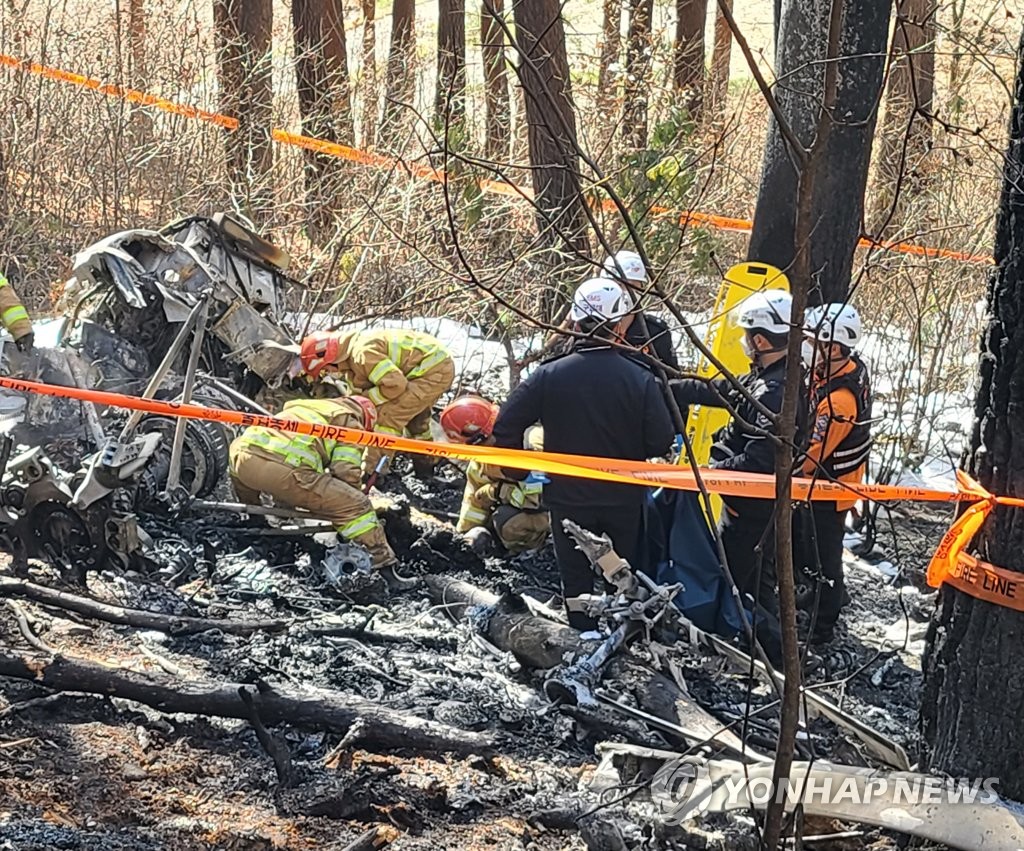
315	473
14	316
492	503
403	372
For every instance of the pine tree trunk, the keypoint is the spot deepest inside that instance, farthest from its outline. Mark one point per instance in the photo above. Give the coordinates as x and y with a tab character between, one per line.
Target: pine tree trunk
243	31
544	76
450	94
611	43
336	54
638	65
906	128
368	75
400	85
137	40
498	117
317	86
974	683
688	53
838	202
721	56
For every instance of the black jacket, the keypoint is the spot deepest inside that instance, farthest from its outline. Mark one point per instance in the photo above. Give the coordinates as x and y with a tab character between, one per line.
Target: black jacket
737	446
592	401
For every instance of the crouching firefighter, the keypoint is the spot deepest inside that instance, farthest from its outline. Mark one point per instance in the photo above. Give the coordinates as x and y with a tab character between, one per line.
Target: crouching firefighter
318	474
838	449
402	372
494	505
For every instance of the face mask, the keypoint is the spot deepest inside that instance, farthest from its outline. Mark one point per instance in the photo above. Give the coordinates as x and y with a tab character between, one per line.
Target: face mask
810	355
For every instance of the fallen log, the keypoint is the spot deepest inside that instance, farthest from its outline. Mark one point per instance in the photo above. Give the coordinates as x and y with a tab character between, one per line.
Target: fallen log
540	643
108	612
317	709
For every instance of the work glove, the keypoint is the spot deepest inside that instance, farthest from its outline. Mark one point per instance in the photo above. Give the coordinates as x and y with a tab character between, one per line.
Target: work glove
25	342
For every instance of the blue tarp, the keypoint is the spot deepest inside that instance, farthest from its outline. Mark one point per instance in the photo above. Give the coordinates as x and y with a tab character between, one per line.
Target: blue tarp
681	548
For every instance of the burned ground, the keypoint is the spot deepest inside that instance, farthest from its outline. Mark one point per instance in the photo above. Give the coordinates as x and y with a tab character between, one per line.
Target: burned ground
85	771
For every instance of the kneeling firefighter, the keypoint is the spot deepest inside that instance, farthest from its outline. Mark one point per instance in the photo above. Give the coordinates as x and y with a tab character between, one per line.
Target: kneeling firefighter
402	372
492	503
318	474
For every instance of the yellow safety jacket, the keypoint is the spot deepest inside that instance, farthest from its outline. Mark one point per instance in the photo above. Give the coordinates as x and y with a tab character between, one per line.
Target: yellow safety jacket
12	312
486	489
382	363
343	460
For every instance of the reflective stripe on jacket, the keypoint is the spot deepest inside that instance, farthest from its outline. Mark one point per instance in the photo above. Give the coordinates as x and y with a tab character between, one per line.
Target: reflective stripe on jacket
305	450
486	489
13	314
382	363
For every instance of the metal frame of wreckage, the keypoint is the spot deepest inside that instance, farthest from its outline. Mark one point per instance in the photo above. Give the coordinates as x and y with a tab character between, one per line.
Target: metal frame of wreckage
638	604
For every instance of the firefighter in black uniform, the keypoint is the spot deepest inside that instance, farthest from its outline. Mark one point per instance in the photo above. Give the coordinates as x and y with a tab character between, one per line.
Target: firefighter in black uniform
746	524
592	401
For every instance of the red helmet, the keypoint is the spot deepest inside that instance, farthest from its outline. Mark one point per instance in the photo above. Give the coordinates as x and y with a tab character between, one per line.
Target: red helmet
469	419
369	411
318	350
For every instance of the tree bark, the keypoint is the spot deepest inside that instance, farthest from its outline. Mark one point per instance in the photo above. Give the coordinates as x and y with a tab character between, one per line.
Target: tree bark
906	127
611	42
721	56
400	84
321	78
368	75
171	624
316	709
543	73
137	39
638	66
974	684
450	94
498	115
243	31
688	53
838	202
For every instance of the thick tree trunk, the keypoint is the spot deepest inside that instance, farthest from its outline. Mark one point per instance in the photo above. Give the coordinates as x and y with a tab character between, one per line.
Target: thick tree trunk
974	683
497	115
688	53
544	76
906	128
316	709
450	94
321	77
611	44
243	32
721	56
638	66
838	201
368	74
400	85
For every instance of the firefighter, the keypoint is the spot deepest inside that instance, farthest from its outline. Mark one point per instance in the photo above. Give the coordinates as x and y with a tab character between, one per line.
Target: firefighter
744	444
15	317
318	474
402	372
627	267
492	503
838	447
592	401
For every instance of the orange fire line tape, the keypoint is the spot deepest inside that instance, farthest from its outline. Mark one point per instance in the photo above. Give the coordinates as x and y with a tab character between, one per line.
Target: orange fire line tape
493	187
604	469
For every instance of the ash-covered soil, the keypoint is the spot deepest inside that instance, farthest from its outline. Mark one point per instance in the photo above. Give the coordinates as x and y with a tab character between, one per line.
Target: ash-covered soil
89	772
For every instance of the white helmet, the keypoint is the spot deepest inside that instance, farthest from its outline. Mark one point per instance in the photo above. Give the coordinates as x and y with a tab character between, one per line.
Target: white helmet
767	311
625	265
600	298
834	323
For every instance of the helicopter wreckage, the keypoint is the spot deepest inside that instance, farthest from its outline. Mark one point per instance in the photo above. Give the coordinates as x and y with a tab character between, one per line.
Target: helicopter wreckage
180	314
